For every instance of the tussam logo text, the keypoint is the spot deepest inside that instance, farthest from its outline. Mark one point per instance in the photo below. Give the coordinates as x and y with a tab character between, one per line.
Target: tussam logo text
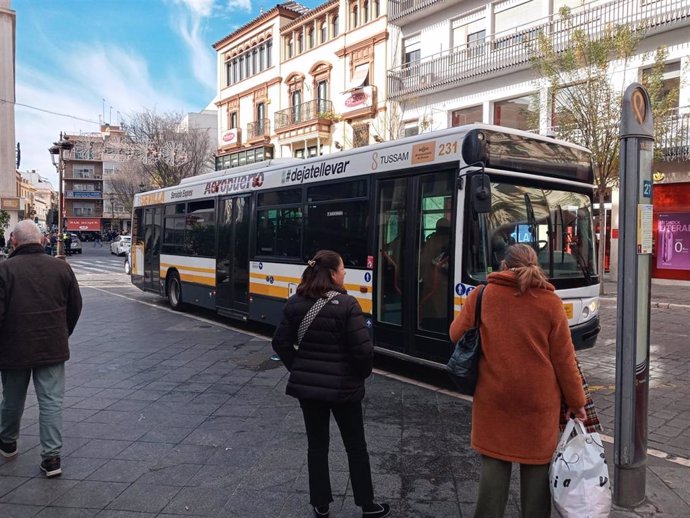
300	174
391	158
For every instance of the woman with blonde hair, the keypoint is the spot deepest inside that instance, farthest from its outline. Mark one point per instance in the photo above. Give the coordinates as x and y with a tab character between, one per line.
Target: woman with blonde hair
527	365
333	357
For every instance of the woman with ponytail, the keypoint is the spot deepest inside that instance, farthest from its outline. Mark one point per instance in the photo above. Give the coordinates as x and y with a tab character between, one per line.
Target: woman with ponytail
324	343
527	365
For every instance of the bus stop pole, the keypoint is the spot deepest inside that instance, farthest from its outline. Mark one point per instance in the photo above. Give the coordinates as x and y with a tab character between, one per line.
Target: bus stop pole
634	292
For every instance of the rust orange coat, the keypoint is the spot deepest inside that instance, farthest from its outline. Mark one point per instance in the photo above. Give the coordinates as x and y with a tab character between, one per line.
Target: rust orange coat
528	361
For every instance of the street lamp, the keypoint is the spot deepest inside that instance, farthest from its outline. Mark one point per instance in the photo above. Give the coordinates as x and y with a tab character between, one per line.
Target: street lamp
57	156
112	210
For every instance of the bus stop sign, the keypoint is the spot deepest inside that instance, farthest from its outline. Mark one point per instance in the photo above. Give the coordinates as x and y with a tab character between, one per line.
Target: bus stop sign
634	289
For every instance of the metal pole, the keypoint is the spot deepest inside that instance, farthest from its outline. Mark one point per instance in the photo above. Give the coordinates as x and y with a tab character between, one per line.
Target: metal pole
60	242
634	290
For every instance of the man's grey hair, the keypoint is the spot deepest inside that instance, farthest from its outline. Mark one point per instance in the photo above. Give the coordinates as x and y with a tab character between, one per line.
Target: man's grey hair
26	231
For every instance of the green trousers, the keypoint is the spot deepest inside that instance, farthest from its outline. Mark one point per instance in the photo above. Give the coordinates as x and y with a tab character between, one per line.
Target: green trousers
494	484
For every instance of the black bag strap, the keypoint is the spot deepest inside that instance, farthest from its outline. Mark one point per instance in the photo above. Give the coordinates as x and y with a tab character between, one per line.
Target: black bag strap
311	314
478	308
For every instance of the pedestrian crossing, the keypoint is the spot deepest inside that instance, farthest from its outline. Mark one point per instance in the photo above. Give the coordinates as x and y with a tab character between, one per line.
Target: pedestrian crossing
87	265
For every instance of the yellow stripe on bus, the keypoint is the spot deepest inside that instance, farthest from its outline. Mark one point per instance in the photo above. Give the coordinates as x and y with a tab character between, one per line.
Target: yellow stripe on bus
187	277
282	293
189	268
268	290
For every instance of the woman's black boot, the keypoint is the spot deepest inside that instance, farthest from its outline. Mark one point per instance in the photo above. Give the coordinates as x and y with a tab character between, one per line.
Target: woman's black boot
376	511
320	511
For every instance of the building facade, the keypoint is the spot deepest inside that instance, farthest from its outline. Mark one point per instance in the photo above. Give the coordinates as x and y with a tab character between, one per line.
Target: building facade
38	199
9	201
296	82
89	202
456	62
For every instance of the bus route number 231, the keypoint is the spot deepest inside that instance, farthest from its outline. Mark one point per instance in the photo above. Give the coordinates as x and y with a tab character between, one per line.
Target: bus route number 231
449	148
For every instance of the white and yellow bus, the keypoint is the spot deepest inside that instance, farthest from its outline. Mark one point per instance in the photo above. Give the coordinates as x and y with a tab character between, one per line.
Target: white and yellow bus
419	223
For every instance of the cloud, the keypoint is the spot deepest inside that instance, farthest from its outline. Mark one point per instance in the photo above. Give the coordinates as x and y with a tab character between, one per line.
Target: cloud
203	8
188	23
240	5
74	96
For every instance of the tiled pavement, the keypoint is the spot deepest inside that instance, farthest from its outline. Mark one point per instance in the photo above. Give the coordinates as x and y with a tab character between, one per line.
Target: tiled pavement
167	415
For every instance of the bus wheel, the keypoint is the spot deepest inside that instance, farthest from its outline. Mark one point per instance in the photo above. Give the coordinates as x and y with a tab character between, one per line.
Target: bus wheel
175	291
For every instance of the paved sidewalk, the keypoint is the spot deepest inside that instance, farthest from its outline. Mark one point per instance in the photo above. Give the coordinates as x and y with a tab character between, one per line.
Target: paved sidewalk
664	291
167	415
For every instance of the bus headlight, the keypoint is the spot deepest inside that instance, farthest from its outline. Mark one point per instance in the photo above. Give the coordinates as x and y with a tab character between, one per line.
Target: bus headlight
590	308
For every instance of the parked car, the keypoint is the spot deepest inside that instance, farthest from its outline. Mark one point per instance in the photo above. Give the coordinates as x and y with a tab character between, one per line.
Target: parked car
120	245
128	262
75	247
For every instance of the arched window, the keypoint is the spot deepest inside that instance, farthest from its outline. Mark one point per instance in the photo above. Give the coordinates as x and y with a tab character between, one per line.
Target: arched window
334	25
310	37
354	16
289	48
365	11
375	7
296	102
300	44
323	28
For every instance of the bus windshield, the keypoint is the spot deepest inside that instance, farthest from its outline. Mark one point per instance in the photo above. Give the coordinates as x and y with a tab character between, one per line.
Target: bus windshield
556	223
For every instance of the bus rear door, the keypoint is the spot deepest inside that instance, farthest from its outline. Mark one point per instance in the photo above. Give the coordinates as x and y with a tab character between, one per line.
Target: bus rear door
232	262
153	217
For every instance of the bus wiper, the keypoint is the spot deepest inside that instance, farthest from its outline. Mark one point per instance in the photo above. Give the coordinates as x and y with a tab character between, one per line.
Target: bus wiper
564	234
583	266
531	220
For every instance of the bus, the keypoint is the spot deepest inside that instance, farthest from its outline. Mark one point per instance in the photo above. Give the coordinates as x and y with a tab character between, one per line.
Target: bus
419	223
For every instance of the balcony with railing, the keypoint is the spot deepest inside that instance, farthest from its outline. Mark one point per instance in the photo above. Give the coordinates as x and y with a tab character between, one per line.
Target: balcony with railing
671	143
317	111
409	10
258	131
674	141
510	51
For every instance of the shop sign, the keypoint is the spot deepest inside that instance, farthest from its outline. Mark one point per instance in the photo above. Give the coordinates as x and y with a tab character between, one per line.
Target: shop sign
230	136
673	241
9	203
84	224
360	98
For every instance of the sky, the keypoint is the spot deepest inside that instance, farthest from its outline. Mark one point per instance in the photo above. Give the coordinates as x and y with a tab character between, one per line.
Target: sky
82	61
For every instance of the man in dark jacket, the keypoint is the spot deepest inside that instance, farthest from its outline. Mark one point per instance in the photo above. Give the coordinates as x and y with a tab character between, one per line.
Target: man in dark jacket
40	304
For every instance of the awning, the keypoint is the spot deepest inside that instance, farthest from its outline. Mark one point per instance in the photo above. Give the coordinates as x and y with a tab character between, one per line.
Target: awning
359	78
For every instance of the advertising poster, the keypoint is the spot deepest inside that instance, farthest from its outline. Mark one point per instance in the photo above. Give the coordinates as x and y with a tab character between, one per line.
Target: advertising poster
673	241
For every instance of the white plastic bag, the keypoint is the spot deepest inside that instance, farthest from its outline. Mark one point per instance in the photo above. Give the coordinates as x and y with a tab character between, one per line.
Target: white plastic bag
579	476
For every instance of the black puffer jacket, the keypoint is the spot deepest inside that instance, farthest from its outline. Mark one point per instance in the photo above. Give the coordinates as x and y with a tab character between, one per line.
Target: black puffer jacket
40	304
336	354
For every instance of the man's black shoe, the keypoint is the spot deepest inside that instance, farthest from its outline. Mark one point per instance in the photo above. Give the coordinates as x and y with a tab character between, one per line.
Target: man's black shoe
376	511
8	449
51	467
321	511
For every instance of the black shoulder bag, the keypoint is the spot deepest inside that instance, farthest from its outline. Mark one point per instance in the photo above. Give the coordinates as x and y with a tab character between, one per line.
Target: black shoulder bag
463	366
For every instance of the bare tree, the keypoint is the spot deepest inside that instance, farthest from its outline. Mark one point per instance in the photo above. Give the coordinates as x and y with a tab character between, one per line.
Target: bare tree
586	106
167	152
126	181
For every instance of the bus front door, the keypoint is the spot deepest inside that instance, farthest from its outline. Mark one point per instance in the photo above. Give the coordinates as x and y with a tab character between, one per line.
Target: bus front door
232	263
152	247
413	302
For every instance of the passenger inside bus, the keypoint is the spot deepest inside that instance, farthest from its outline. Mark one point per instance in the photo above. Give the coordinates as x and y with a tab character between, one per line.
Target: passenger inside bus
433	303
501	239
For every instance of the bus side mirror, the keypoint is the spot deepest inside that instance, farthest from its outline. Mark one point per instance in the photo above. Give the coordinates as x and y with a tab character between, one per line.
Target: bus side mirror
480	187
